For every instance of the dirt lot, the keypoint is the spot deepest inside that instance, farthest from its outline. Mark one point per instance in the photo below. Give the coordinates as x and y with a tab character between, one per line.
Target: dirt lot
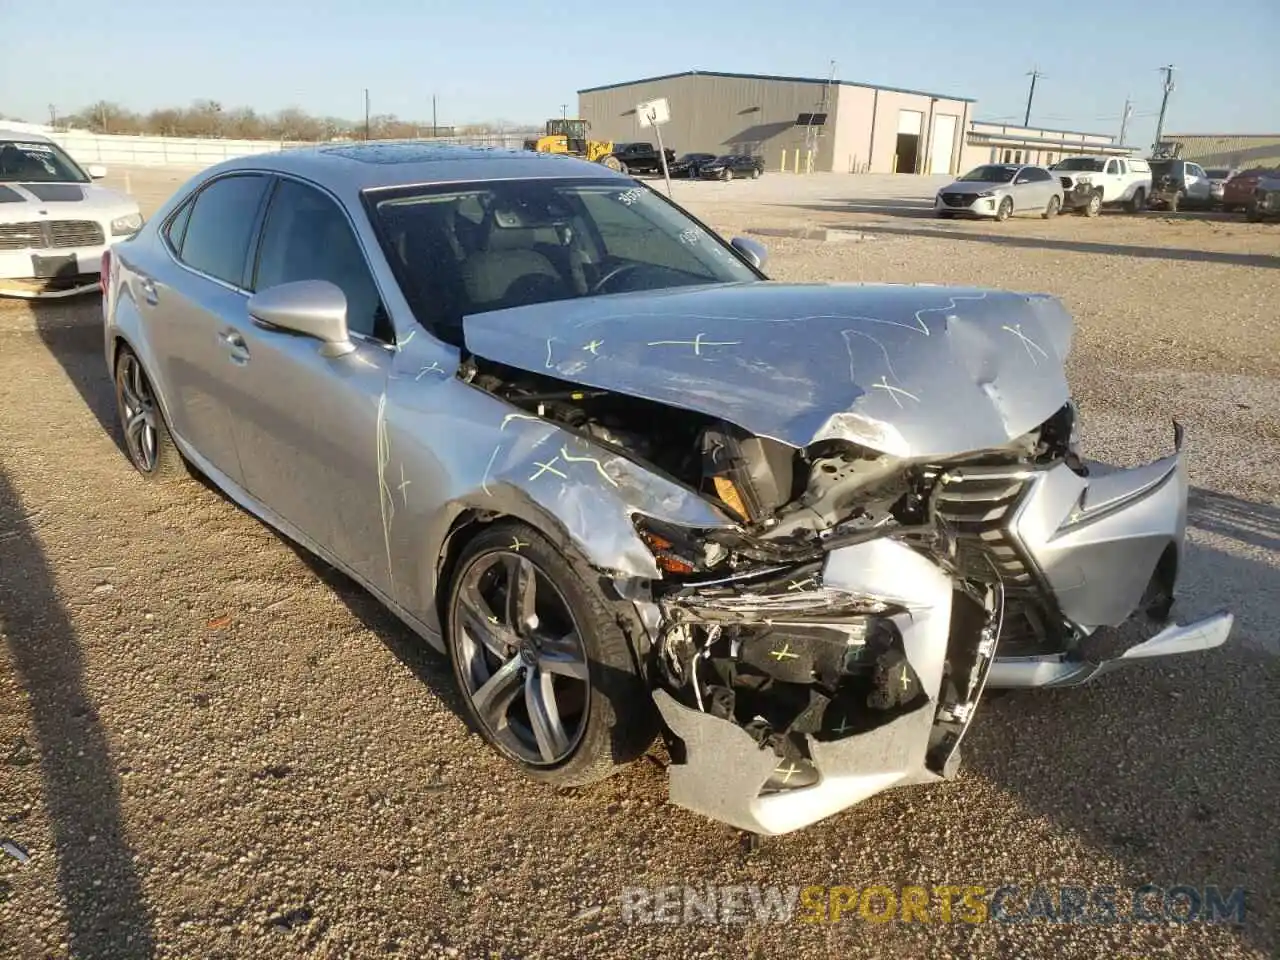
212	746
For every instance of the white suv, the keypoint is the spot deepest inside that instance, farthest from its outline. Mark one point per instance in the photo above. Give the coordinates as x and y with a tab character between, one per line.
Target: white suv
1091	182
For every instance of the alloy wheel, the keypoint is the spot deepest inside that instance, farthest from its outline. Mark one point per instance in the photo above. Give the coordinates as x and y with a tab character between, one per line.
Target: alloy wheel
521	658
138	414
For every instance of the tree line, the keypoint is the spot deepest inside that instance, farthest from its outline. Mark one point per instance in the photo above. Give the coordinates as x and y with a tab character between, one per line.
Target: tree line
208	118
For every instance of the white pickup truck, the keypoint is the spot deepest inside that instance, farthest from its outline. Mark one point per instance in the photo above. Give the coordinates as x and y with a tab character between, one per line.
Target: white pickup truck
1091	182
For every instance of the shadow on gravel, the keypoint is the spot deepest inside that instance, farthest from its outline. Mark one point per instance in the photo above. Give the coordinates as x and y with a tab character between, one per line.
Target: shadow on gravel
1074	246
71	330
98	881
1171	767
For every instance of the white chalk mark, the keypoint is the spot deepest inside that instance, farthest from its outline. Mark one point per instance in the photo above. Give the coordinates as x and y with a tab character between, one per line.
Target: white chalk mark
598	465
484	480
1027	342
434	368
517	416
401	344
403	484
593	346
550	365
894	391
385	501
548	467
697	343
853	374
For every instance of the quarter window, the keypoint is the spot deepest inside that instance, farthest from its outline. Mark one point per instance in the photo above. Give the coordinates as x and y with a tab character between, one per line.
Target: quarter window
216	239
307	237
178	226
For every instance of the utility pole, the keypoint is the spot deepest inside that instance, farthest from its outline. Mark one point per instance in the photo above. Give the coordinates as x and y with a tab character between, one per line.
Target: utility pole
1124	118
1035	75
564	111
435	130
366	113
1167	70
53	116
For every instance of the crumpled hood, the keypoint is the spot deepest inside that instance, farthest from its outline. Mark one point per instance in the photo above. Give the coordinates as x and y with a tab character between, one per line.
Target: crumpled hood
913	371
23	202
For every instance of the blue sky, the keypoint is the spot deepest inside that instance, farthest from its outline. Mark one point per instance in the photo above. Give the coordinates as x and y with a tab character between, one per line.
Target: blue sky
499	59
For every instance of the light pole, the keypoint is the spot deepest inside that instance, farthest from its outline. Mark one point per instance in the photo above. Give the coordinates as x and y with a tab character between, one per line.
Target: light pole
1035	75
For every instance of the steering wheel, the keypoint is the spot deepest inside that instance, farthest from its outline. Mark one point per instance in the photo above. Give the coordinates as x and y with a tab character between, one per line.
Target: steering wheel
615	272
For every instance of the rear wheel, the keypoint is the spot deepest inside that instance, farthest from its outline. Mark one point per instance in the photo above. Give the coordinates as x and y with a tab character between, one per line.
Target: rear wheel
1173	202
1138	202
546	671
1005	210
613	163
1051	211
755	173
146	436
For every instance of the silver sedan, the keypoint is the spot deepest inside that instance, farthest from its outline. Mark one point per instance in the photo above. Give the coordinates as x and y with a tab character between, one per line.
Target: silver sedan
582	445
1001	191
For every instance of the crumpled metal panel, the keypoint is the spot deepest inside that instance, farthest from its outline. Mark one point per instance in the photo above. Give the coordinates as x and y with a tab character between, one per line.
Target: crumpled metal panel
908	370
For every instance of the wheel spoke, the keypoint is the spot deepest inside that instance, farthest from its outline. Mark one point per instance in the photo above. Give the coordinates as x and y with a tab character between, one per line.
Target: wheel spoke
483	625
135	425
495	695
135	372
562	657
544	715
522	594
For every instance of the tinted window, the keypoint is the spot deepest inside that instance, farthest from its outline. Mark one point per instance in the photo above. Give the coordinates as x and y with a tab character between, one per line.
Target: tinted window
992	173
1218	173
178	226
37	162
1037	175
307	237
1083	164
217	237
459	250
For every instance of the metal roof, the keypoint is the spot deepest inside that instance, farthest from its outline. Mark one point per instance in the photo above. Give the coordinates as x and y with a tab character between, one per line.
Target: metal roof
1015	138
771	77
1021	126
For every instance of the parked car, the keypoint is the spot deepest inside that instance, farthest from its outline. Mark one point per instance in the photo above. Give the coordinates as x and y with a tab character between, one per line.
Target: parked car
575	439
1238	191
641	157
1179	183
690	164
55	222
1001	191
732	165
1218	177
1090	183
1265	202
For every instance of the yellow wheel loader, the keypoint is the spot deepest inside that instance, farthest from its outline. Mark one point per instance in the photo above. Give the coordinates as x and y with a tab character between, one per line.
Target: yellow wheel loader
570	136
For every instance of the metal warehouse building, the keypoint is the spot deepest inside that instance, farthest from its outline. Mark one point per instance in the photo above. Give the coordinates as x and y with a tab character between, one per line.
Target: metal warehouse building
1241	150
849	127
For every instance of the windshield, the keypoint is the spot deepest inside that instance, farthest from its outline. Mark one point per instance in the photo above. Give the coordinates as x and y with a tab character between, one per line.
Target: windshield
698	156
24	161
1085	164
989	174
1218	173
468	249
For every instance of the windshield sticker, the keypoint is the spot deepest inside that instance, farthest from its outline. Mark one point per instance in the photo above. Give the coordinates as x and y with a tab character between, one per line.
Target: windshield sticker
631	196
35	147
691	236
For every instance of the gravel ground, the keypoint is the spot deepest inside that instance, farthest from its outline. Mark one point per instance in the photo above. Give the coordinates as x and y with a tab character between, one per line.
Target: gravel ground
213	746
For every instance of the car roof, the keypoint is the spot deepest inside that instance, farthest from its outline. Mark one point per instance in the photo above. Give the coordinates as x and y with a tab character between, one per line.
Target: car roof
23	135
350	168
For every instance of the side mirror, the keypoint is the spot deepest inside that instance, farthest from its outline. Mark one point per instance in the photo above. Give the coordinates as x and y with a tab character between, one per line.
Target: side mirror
313	308
96	171
753	250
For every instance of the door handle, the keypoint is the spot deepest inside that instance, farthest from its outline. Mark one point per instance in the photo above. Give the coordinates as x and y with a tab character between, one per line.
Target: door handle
233	340
149	290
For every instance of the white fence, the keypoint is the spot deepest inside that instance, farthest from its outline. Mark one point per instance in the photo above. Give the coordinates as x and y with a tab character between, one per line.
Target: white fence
87	147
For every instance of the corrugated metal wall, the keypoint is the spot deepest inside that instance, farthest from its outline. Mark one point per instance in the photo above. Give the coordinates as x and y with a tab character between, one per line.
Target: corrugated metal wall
1242	150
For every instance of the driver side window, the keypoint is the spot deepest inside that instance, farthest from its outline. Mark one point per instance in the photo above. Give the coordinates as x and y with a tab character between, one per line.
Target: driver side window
1111	167
307	237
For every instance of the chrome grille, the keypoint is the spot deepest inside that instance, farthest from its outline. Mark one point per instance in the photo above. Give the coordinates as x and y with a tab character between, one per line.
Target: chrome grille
959	199
51	235
976	505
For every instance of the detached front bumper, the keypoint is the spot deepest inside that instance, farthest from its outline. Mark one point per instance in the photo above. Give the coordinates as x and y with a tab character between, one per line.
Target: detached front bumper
1106	547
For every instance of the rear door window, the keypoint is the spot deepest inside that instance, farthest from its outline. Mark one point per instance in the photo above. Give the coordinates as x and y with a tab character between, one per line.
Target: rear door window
216	241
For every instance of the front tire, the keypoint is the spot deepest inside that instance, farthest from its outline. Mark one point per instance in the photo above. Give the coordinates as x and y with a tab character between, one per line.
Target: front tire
546	671
1094	205
147	442
755	173
1005	210
1051	211
727	175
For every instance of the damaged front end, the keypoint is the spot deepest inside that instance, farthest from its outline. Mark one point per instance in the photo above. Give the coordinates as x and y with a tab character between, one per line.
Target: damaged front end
907	521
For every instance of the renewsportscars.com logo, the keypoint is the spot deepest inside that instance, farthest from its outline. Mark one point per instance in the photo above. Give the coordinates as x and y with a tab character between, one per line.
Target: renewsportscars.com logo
763	904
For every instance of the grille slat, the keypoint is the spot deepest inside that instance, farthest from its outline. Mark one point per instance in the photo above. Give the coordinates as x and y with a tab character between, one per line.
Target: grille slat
51	235
975	503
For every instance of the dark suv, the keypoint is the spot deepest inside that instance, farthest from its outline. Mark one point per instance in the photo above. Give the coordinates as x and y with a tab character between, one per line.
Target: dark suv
641	157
